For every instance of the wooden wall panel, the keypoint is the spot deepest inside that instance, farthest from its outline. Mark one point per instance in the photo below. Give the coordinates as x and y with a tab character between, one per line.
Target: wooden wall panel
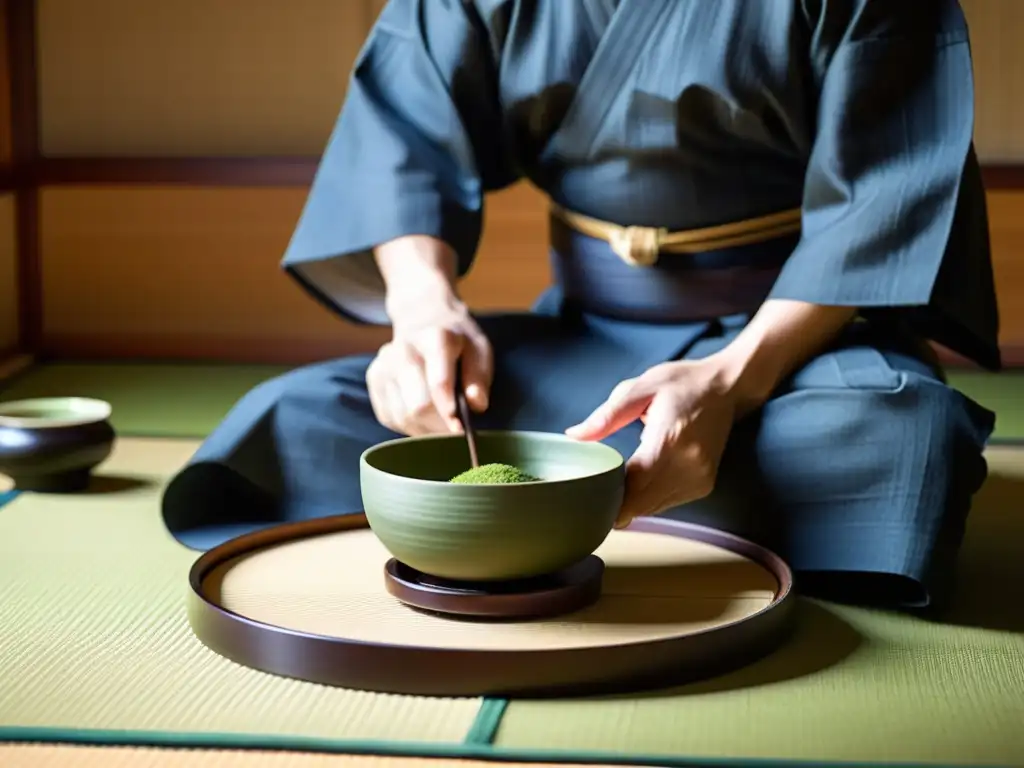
219	77
166	271
194	77
9	326
1006	224
190	272
194	272
997	27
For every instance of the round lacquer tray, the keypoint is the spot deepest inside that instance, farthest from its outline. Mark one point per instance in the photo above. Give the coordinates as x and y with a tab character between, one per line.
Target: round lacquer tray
308	600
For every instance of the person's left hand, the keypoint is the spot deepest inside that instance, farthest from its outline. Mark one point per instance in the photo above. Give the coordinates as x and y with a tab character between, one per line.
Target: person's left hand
688	409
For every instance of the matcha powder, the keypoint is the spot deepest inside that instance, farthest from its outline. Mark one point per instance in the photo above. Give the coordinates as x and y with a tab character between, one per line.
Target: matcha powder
489	474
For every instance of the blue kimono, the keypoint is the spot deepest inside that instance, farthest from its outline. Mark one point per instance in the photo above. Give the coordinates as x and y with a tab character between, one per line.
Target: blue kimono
680	114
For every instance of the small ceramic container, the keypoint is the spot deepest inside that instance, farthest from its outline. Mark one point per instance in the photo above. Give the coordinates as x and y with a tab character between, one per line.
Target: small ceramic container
51	445
491	532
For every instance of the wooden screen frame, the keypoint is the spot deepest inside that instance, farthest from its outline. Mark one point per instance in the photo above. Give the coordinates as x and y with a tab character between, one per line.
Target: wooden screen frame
23	171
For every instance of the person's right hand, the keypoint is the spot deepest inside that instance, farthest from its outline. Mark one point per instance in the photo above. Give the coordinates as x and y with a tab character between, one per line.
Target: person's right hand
412	379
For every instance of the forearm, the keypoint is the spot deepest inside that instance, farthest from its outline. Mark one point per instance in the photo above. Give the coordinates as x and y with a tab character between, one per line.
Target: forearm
779	339
416	269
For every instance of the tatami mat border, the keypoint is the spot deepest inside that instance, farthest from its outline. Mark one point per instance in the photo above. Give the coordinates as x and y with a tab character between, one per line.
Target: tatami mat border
410	749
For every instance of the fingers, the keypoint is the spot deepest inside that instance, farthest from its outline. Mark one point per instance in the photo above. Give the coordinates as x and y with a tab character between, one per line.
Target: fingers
674	464
477	363
661	431
624	405
381	398
411	381
415	404
648	492
652	505
440	350
394	415
636	485
398	391
648	470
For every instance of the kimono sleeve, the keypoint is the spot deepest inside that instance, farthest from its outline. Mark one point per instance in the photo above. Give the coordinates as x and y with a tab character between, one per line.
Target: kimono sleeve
892	191
416	145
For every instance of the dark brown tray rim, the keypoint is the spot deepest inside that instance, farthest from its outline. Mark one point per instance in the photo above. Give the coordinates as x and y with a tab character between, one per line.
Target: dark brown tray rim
417	670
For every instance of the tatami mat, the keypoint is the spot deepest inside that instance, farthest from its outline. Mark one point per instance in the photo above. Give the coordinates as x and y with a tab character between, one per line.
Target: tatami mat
93	632
151	400
188	400
1001	392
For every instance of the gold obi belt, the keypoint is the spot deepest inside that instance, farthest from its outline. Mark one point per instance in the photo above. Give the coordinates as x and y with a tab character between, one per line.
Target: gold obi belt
641	246
614	271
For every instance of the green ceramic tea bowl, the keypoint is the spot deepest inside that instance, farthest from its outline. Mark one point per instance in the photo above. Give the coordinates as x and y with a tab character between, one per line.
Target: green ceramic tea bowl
491	532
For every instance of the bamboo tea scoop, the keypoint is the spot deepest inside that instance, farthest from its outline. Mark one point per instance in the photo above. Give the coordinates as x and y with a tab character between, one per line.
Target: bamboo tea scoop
465	417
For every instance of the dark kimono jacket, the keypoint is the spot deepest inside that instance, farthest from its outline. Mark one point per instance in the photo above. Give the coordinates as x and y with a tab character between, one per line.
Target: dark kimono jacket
678	114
